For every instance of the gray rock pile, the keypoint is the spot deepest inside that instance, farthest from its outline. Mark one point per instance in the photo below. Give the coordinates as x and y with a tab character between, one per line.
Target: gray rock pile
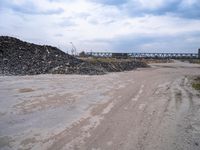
22	58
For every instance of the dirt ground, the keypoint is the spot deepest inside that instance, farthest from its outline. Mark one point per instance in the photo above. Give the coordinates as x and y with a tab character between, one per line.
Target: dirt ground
145	109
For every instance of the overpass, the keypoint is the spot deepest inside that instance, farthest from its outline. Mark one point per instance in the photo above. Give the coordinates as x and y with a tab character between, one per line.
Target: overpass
146	55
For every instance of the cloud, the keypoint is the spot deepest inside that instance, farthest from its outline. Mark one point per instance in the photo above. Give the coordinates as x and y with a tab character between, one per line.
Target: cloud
111	2
100	25
29	7
58	35
67	22
180	8
189	9
152	43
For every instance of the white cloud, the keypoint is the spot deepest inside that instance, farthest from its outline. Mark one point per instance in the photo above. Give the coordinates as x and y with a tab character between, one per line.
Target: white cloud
151	4
97	26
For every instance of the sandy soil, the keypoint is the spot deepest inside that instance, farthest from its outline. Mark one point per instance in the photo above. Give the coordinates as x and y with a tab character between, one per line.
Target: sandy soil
147	109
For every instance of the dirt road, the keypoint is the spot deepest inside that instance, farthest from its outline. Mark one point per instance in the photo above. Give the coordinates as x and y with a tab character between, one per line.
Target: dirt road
147	109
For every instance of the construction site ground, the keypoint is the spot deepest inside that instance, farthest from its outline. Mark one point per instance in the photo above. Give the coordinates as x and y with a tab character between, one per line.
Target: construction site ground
152	108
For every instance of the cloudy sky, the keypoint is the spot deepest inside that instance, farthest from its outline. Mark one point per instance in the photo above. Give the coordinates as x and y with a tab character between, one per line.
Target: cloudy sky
105	25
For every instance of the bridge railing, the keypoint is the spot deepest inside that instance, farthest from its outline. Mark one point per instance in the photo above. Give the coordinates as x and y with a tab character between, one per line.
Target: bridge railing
145	55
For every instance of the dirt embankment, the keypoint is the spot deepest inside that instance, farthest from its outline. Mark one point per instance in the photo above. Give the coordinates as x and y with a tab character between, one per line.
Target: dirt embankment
22	58
116	65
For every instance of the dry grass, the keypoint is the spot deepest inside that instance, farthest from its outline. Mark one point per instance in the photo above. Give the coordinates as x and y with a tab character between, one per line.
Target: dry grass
25	90
196	86
197	61
196	83
194	61
149	61
104	59
110	60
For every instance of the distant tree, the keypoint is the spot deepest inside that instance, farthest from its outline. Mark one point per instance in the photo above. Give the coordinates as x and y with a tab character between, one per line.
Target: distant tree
82	54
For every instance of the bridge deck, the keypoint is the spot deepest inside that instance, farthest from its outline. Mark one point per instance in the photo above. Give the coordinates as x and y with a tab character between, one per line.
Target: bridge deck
148	55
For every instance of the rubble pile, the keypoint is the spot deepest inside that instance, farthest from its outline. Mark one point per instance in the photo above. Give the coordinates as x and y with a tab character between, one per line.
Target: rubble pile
21	58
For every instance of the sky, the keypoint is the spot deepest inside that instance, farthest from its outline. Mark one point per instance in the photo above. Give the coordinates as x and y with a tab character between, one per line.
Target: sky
105	25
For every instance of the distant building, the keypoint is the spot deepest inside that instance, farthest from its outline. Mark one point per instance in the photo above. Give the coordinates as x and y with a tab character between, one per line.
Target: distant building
199	53
120	55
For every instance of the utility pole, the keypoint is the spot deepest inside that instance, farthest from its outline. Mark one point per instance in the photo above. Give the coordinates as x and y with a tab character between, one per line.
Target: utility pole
2	60
73	50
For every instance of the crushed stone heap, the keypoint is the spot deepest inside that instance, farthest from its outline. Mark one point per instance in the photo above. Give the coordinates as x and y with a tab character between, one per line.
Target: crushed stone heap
22	58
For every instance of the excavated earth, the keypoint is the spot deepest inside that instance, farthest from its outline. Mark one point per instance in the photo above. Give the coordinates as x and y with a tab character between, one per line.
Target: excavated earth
22	58
147	109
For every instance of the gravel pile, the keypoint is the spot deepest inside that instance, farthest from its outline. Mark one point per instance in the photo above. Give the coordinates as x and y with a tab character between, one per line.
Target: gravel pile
22	58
